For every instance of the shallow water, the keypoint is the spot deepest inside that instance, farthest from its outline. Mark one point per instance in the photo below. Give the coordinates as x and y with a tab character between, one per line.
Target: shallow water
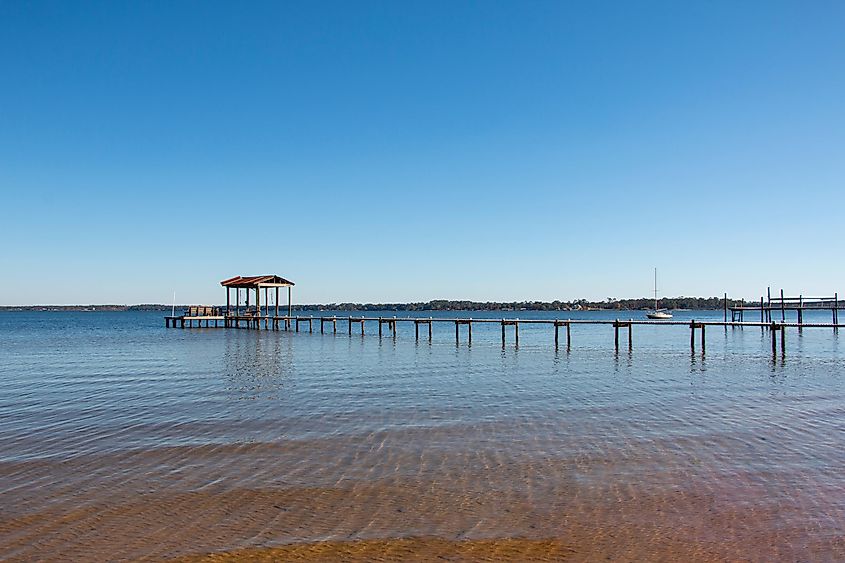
122	439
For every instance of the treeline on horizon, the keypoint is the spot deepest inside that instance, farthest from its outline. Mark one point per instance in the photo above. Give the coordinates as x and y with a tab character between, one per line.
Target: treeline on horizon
692	303
581	304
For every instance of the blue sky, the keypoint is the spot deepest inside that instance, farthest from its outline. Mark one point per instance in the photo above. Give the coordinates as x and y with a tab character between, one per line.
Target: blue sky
405	151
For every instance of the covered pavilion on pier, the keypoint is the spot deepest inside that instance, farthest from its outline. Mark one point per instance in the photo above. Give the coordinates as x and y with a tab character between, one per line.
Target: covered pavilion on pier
256	283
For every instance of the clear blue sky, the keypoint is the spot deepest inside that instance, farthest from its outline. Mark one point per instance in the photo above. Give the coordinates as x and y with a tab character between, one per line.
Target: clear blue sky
404	151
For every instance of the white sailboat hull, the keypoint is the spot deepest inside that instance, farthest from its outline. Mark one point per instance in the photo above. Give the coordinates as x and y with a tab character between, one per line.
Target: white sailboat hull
659	315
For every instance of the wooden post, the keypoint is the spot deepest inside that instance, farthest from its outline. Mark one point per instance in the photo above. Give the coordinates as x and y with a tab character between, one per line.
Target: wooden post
557	336
393	327
228	299
456	332
277	303
692	335
379	327
516	332
266	308
350	325
568	339
774	338
362	326
782	340
469	332
800	310
702	338
836	309
782	309
726	309
258	307
768	304
616	334
630	336
762	314
334	325
417	331
289	303
429	328
503	332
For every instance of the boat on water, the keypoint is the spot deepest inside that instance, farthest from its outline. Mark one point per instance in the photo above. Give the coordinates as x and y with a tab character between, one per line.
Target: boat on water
658	314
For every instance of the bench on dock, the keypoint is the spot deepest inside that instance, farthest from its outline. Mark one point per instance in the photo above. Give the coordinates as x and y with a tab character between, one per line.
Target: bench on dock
202	311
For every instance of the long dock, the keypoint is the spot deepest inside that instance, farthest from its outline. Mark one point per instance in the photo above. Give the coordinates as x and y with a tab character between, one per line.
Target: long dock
297	323
258	316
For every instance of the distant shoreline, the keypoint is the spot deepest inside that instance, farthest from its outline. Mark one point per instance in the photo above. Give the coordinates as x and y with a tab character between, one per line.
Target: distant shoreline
675	303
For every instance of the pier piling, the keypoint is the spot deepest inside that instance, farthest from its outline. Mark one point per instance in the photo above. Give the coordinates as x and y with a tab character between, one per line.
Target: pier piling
692	335
617	324
773	330
616	334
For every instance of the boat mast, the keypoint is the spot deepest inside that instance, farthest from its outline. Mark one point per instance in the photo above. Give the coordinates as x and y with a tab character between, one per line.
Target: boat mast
655	289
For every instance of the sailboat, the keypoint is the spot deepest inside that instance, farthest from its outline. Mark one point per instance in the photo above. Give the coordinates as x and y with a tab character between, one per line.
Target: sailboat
658	314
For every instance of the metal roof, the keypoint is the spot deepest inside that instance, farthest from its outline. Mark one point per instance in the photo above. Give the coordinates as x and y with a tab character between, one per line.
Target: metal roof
256	281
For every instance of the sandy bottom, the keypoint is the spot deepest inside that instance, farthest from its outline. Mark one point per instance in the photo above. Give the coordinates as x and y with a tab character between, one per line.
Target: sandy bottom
409	549
386	522
431	549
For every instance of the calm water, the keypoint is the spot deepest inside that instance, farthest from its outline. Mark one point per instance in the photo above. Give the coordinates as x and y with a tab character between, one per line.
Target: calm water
122	439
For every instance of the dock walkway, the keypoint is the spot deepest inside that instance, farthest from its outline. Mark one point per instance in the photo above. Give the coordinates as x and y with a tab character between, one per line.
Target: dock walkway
297	323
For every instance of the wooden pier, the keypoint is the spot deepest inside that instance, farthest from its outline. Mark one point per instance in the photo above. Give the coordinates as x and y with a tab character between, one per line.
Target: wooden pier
783	304
697	328
254	317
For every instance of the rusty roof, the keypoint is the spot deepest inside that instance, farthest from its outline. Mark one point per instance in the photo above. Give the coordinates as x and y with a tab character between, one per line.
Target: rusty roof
256	281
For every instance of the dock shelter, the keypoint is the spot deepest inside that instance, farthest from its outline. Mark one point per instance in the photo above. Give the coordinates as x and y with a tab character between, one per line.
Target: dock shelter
256	283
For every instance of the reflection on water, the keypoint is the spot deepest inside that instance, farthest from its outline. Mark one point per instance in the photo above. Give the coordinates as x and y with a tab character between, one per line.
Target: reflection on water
126	440
256	367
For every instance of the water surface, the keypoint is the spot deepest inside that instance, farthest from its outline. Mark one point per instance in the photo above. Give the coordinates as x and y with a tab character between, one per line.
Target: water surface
122	439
